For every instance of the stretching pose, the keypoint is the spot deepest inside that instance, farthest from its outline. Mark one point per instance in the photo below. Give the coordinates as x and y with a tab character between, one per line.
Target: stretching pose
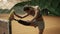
37	18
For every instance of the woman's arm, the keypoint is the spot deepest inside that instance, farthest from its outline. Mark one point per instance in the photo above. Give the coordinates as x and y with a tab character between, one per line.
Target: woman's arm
23	16
25	23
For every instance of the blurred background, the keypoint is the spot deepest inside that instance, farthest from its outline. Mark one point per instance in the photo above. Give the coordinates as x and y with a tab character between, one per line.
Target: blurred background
52	7
50	10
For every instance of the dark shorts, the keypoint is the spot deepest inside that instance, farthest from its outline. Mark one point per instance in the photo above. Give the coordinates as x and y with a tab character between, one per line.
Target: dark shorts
39	24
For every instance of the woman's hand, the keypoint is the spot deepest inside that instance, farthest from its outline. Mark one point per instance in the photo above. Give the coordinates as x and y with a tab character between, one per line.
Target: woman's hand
11	16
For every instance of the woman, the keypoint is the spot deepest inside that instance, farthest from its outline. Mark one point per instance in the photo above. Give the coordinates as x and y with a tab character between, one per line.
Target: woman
37	18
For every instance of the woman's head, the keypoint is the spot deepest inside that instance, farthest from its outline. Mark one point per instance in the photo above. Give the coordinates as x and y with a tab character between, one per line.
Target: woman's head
28	9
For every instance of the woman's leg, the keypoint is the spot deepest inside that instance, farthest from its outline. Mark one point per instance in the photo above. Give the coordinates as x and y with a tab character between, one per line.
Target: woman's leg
41	31
41	27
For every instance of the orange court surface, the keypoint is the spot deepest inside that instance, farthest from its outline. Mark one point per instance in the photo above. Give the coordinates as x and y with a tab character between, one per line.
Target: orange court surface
52	25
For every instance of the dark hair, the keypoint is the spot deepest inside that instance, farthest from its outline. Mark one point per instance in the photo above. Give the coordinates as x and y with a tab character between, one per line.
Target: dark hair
27	8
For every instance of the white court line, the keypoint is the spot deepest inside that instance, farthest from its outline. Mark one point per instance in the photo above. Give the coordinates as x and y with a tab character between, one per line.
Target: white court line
4	20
